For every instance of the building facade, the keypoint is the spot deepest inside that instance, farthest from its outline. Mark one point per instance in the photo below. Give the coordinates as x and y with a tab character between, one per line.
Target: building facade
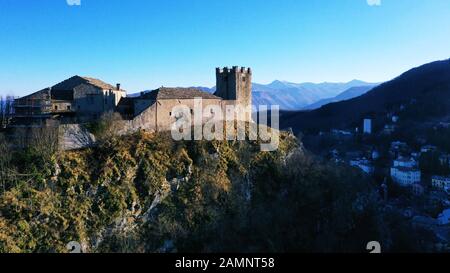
153	111
77	98
405	176
440	182
83	99
367	128
405	172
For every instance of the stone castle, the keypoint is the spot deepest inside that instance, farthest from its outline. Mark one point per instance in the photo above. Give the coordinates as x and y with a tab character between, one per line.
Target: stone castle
83	99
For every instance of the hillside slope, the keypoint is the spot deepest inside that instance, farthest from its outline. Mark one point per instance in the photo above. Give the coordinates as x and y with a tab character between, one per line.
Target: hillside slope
428	86
147	193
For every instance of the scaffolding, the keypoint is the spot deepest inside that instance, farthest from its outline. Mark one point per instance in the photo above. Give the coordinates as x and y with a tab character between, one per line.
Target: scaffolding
32	107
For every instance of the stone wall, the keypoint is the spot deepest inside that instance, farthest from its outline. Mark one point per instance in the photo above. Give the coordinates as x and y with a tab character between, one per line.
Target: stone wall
74	136
159	116
93	102
166	118
144	121
62	106
235	84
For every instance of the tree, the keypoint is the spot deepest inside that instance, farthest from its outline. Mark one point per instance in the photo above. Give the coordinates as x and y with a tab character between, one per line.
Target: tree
5	160
2	112
6	110
107	127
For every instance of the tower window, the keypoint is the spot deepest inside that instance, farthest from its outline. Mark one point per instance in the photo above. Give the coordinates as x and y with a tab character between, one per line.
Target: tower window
56	107
244	79
68	107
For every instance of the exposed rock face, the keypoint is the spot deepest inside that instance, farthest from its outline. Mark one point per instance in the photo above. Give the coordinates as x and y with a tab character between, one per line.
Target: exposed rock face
160	195
74	136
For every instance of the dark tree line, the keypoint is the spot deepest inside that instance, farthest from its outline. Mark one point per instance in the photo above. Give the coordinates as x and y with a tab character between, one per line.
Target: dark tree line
6	110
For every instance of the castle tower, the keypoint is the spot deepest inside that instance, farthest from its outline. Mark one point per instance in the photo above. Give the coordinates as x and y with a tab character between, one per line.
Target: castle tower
235	84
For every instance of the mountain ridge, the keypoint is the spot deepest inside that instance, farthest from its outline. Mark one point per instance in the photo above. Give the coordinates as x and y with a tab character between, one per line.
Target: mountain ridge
353	92
292	96
428	84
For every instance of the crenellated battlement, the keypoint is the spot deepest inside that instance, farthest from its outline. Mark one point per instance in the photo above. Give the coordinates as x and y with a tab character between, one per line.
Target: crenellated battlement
235	84
234	69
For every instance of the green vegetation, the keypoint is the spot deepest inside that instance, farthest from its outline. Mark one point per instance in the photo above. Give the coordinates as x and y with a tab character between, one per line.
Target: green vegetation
147	193
106	127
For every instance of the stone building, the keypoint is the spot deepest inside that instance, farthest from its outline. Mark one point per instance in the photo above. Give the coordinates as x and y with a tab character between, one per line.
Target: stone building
153	111
234	85
82	99
441	182
78	99
405	172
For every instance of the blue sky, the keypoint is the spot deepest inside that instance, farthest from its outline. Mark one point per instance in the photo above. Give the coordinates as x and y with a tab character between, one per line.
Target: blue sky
145	44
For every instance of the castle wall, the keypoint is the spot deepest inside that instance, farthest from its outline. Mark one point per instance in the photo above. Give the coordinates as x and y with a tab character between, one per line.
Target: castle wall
146	120
244	87
62	106
234	88
74	136
92	101
241	112
165	107
235	84
88	100
159	116
140	105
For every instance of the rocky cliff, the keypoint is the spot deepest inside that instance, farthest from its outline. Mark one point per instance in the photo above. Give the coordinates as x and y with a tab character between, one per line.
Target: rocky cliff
147	193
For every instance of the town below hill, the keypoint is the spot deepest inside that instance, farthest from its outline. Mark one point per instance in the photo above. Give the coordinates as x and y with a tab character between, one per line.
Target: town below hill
399	135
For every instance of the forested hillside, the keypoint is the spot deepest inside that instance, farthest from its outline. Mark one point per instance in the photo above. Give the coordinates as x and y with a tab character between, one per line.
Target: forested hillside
426	87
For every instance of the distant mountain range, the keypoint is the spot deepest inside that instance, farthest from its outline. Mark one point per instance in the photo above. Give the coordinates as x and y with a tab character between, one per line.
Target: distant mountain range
296	96
426	89
351	93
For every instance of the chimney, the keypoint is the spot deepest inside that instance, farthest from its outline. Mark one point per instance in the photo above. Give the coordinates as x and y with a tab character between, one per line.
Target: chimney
118	86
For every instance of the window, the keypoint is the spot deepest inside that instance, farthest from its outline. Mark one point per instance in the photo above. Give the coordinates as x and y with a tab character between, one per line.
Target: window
192	111
244	78
68	107
56	107
170	113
